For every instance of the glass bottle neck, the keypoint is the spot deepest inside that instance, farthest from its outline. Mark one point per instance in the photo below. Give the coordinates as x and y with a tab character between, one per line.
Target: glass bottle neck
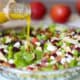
15	10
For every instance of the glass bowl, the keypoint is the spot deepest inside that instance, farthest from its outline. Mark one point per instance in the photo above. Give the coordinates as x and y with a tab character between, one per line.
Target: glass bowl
16	74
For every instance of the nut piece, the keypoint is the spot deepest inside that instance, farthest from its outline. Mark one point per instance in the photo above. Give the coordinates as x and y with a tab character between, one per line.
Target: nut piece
55	67
58	58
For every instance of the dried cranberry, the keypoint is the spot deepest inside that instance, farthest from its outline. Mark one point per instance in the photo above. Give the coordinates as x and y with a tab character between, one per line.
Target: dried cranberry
54	41
1	61
1	49
70	53
79	41
78	48
3	52
12	65
30	68
54	54
38	65
42	43
78	33
44	60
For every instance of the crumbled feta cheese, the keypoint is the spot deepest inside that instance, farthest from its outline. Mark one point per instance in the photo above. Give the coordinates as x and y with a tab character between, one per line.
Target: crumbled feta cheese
2	57
11	61
5	50
3	46
63	60
69	56
69	59
25	43
52	58
53	62
8	39
72	33
76	46
51	47
32	66
39	48
67	49
75	36
63	45
59	53
17	44
34	32
54	38
67	39
37	43
46	63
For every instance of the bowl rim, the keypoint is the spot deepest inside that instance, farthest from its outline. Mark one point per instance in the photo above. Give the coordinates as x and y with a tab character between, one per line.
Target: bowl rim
15	70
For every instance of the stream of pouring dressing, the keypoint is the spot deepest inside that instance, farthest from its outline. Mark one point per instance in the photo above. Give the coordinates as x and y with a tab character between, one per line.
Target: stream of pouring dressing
26	15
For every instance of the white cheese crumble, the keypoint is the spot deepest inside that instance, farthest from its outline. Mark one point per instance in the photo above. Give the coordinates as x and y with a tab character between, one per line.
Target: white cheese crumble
52	57
17	44
69	59
5	50
8	39
46	64
53	62
50	47
2	57
67	49
39	48
37	43
59	53
11	61
3	46
25	43
63	60
67	39
54	38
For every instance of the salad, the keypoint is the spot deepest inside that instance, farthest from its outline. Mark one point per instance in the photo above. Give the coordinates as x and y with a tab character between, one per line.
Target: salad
51	48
